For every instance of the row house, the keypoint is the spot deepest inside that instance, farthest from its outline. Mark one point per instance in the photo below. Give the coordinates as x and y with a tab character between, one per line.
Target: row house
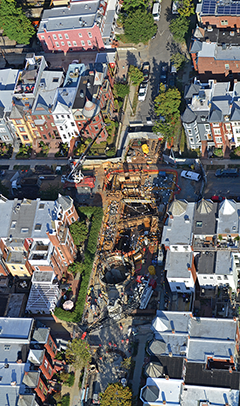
27	352
80	26
201	243
212	116
216	52
8	79
219	14
35	236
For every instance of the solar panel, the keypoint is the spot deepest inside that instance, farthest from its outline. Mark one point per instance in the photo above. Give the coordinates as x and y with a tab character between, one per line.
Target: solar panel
232	8
208	6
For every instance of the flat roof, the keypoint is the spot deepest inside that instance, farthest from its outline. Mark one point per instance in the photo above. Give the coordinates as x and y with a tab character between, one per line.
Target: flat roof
169	391
79	15
205	262
15	328
201	395
178	263
178	230
204	223
208	328
199	350
197	374
223	263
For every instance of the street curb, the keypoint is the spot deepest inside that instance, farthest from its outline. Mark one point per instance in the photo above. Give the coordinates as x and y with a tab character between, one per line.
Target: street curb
127	49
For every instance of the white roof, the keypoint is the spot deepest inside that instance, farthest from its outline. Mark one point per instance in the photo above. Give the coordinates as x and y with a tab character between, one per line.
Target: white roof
169	391
178	230
199	395
227	207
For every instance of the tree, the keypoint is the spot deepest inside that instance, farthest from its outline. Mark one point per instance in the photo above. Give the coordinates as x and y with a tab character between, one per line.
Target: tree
134	4
178	60
186	8
179	27
166	106
126	363
79	232
78	353
121	90
116	395
15	24
136	75
139	26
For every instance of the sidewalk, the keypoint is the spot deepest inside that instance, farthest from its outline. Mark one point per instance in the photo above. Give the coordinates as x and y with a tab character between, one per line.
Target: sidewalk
143	338
33	162
219	161
126	118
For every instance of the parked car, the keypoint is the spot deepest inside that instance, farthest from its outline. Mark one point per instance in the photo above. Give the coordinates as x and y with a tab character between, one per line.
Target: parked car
142	91
156	10
175	6
225	173
146	71
217	199
95	393
191	175
163	73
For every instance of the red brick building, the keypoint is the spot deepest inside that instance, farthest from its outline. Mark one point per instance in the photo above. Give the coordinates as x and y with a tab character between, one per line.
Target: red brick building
219	14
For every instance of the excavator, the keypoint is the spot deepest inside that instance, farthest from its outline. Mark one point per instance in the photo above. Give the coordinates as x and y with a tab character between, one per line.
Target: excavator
75	178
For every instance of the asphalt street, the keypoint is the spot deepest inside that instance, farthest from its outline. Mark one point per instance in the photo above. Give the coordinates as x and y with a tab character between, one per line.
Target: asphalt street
225	187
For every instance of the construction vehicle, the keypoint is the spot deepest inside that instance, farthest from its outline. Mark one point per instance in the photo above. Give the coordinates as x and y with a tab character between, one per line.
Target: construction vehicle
76	178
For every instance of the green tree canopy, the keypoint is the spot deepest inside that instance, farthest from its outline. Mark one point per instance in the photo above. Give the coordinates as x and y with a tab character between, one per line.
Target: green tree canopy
134	4
78	353
186	8
136	75
179	27
178	60
116	395
79	231
139	26
166	106
121	90
15	24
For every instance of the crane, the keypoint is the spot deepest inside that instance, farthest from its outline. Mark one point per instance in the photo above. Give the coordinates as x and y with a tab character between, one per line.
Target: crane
76	178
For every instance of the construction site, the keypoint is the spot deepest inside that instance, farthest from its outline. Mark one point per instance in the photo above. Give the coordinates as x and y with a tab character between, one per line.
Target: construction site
127	269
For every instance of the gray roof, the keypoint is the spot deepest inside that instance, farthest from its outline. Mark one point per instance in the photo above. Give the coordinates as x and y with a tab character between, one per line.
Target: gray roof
228	215
192	89
217	329
26	400
22	219
178	230
63	18
177	264
31	378
205	262
35	356
196	46
188	116
157	347
235	113
5	215
194	395
15	329
15	113
40	335
65	201
223	263
150	393
154	370
178	207
216	115
204	221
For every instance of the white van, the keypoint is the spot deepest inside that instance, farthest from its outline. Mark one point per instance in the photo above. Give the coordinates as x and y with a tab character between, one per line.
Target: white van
156	10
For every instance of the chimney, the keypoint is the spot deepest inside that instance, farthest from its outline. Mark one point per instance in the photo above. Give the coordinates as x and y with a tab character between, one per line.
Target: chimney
208	41
230	370
230	106
164	402
170	354
167	377
173	331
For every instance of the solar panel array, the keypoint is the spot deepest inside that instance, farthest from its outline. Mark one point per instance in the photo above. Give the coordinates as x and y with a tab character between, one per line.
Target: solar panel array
209	8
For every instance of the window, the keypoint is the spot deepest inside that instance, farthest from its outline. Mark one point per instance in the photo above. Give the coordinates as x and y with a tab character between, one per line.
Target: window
96	127
60	36
50	343
57	44
41	128
52	124
42	36
215	124
90	34
21	129
45	364
54	36
69	43
33	125
238	139
228	126
219	278
237	130
218	140
198	223
7	347
72	124
18	122
69	211
41	386
189	131
24	230
72	219
45	391
224	22
217	131
227	66
50	371
66	36
83	43
74	43
62	43
89	43
191	140
178	287
13	225
38	227
207	127
80	35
